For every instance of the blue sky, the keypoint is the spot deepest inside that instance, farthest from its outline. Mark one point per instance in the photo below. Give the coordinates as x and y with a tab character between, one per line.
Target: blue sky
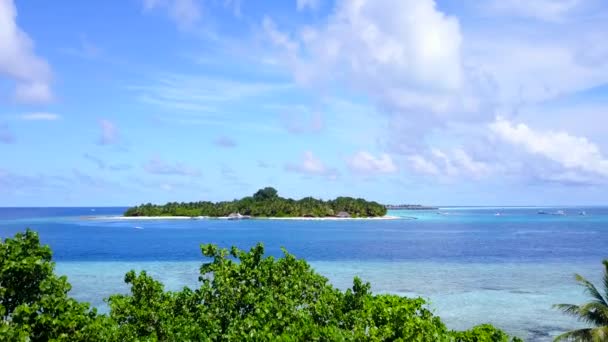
405	101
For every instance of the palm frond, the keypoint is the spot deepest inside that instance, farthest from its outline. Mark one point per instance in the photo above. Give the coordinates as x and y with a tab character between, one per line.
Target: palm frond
575	335
568	309
594	313
591	289
605	262
599	334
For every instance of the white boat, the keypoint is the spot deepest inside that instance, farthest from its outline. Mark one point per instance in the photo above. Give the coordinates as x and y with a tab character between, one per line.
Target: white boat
559	213
238	216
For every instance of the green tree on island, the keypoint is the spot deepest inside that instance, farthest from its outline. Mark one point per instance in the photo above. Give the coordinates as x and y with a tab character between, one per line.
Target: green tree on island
265	203
243	296
594	312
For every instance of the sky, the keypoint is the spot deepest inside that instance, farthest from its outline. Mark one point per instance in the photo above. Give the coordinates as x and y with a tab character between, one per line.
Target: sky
444	102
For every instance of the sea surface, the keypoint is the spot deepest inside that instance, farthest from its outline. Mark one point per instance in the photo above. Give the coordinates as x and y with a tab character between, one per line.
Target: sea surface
504	266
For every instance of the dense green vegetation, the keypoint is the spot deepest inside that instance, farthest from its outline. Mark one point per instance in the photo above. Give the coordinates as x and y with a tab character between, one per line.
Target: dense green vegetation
243	296
265	203
594	313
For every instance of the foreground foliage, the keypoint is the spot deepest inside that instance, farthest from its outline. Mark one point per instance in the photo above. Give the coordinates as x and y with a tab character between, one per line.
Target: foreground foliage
264	203
595	312
243	296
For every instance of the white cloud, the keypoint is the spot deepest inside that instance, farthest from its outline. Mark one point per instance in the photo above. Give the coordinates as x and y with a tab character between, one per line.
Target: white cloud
40	116
426	69
365	162
311	165
311	4
18	61
423	166
109	132
405	54
161	167
185	13
571	152
539	69
201	94
455	163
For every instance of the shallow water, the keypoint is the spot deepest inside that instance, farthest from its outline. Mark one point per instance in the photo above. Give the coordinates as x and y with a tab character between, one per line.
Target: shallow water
472	265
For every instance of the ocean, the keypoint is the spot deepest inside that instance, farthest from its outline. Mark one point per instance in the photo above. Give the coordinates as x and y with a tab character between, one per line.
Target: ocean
504	266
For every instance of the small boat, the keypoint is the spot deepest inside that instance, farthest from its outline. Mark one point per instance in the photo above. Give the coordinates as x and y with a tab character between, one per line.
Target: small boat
542	212
582	213
559	213
238	216
138	227
497	214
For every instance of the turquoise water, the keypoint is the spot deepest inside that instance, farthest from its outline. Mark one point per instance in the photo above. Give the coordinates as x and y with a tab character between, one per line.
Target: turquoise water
472	265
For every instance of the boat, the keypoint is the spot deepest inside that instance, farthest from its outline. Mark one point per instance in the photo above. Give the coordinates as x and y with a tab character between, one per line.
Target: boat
559	213
497	214
238	216
582	213
542	212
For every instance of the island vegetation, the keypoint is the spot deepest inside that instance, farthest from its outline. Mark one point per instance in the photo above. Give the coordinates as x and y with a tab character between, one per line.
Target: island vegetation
265	203
243	296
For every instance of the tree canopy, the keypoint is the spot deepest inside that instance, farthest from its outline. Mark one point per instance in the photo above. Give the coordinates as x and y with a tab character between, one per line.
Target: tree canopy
243	296
264	203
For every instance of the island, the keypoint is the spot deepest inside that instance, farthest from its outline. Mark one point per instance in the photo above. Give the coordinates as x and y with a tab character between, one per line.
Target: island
265	203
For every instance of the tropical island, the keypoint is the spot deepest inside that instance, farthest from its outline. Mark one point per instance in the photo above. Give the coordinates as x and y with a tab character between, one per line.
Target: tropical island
265	203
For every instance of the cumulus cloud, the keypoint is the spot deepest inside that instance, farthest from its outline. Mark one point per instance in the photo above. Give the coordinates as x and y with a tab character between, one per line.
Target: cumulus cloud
452	164
425	70
405	54
31	73
310	4
40	116
569	151
312	166
6	136
109	132
225	142
364	162
185	13
160	167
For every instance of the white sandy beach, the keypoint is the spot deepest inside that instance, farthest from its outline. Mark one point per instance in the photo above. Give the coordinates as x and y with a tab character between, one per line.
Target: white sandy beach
142	218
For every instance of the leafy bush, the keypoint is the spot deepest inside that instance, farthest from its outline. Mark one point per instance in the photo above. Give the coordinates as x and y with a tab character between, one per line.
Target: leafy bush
243	296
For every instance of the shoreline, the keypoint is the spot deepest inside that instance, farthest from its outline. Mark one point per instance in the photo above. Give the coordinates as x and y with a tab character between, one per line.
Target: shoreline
145	218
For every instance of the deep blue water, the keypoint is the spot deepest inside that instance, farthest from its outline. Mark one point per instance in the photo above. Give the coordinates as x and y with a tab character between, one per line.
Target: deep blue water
472	264
462	235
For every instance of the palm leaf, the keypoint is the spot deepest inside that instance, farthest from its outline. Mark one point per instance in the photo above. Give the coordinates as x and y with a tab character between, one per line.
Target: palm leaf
595	313
605	262
599	334
576	335
568	309
591	289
